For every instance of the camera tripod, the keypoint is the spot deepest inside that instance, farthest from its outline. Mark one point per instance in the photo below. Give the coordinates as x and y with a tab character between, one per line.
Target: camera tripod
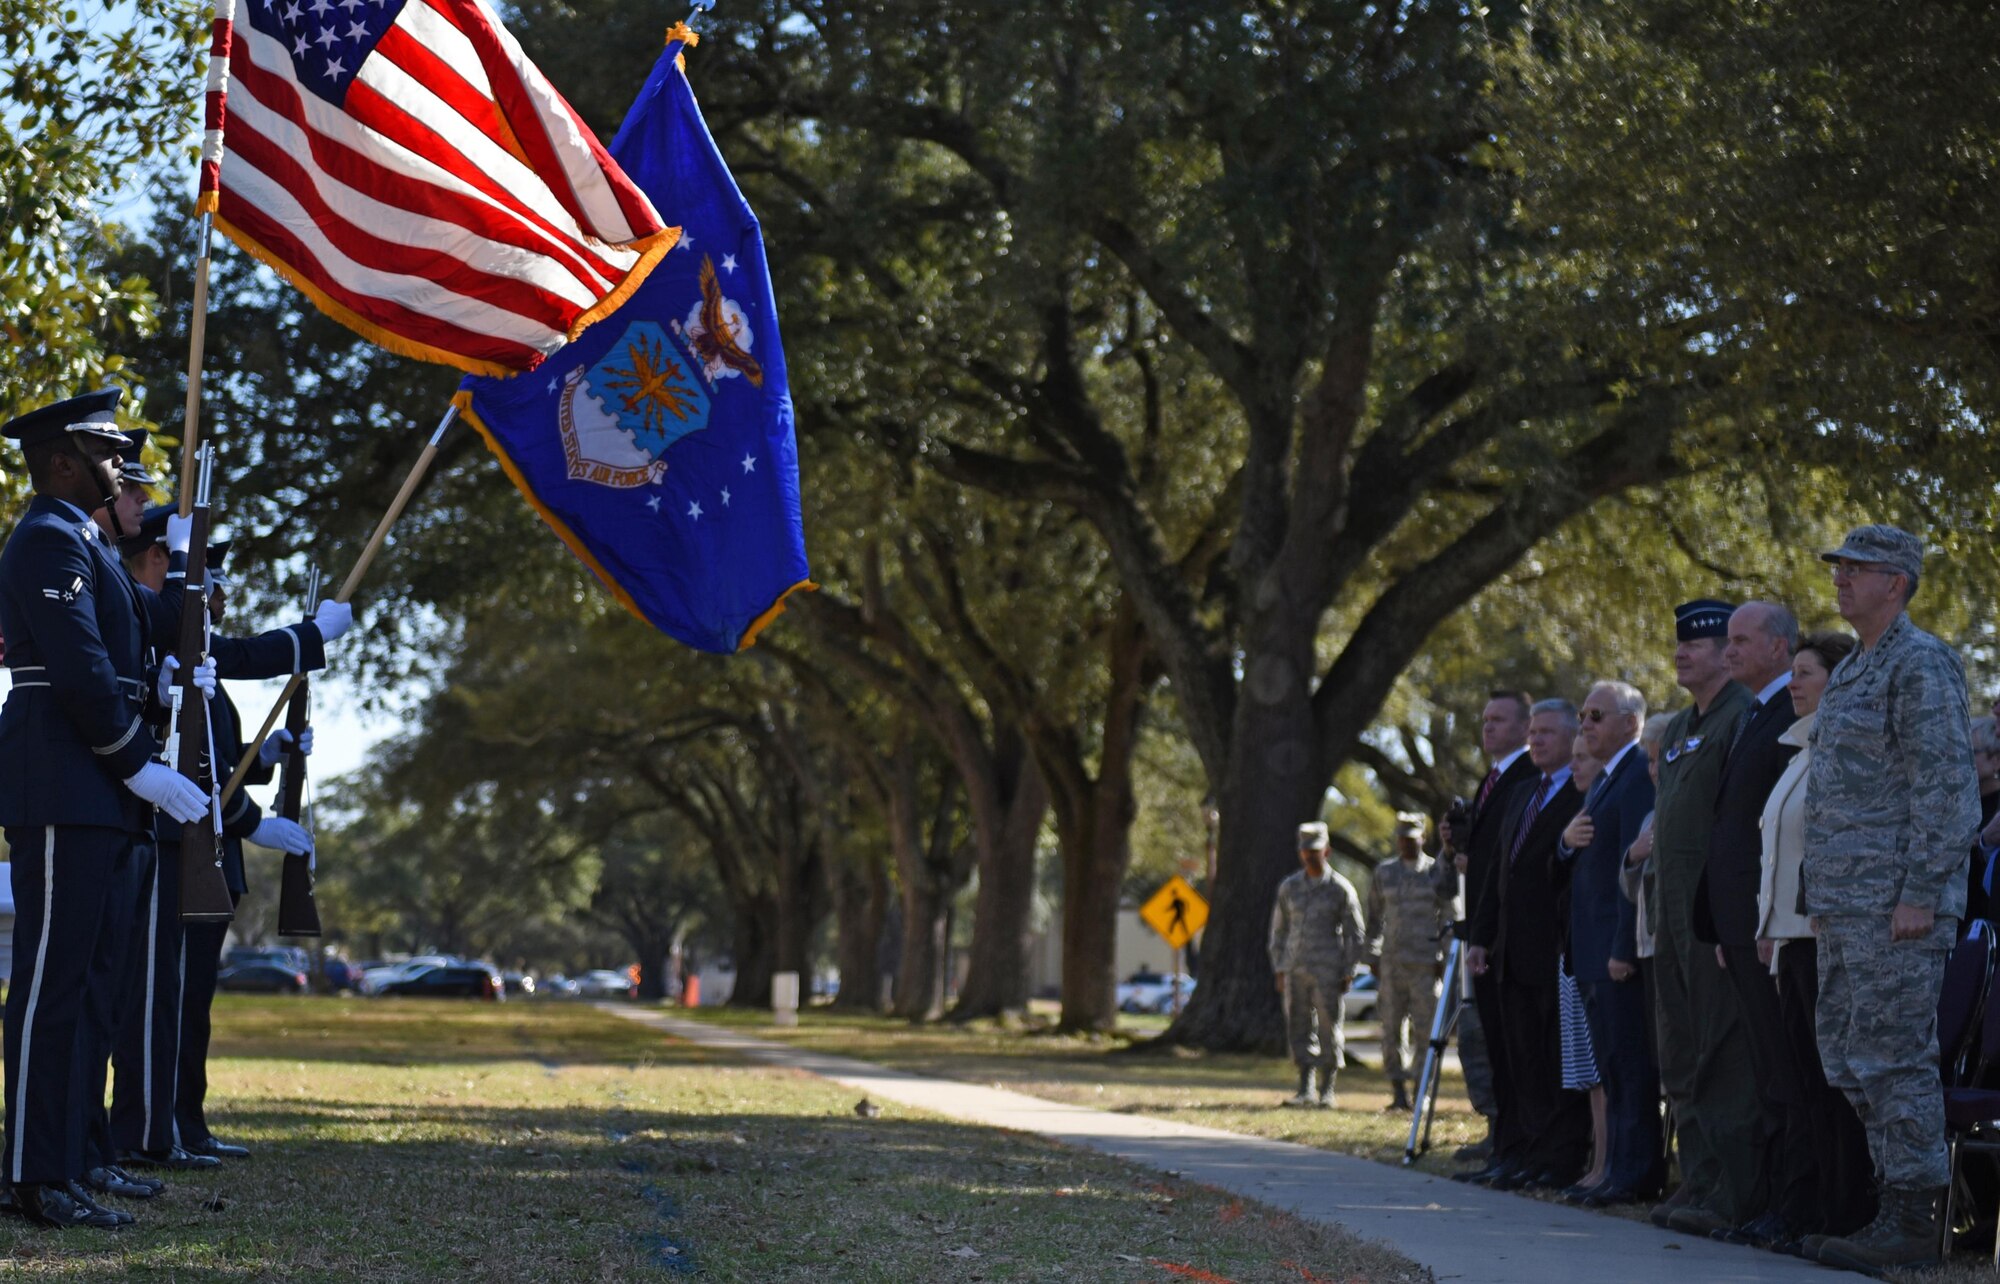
1423	1107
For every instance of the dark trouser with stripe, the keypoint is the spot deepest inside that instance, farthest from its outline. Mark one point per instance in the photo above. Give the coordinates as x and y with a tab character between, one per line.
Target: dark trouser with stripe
1843	1172
147	1052
203	959
113	1000
63	879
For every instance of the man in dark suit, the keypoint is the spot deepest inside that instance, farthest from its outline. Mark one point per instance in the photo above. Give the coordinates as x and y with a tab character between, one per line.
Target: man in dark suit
1762	637
1503	735
78	784
1517	938
1603	928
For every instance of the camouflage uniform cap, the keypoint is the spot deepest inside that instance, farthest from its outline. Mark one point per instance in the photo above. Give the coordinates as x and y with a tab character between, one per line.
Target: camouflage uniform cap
1409	824
1890	546
1313	834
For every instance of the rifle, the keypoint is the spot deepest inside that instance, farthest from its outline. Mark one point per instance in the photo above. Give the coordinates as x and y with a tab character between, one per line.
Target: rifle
298	912
204	888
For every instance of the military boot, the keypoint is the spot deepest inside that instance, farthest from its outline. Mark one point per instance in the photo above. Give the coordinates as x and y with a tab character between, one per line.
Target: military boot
1904	1233
1304	1096
1326	1089
1401	1101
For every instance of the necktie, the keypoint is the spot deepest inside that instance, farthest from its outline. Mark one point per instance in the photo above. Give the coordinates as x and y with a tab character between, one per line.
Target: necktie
1742	725
1486	790
1528	818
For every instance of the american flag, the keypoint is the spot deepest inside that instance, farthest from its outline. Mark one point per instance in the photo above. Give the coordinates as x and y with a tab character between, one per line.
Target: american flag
407	166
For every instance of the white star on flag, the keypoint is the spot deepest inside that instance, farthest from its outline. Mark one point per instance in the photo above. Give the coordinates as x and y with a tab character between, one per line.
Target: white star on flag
654	503
749	463
355	31
321	6
327	38
694	511
554	384
299	47
292	12
725	496
685	243
334	70
729	262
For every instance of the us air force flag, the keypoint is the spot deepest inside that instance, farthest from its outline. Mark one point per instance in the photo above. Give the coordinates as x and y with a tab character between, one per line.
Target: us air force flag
659	443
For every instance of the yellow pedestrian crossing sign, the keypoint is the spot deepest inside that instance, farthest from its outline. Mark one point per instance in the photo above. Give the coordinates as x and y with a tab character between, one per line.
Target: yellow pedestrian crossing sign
1176	912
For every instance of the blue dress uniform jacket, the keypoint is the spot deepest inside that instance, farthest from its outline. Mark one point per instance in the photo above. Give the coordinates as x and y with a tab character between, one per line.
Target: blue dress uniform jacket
77	630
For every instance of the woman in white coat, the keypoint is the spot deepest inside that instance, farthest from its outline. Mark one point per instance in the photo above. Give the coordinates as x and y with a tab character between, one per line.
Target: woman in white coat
1785	942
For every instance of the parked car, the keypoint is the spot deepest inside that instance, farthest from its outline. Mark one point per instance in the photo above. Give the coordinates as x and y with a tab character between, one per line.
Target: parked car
1358	1004
260	976
518	983
607	984
374	978
342	975
557	986
449	981
1142	980
1157	994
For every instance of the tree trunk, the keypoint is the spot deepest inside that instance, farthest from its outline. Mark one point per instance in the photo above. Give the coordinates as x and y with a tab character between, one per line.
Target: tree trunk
754	938
1276	781
655	965
996	981
861	903
927	887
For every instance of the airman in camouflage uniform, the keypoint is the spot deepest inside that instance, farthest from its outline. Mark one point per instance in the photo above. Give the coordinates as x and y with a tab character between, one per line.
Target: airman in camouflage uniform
1316	940
1892	804
1407	912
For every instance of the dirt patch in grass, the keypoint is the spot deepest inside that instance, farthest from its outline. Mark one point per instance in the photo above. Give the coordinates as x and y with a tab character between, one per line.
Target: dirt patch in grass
409	1140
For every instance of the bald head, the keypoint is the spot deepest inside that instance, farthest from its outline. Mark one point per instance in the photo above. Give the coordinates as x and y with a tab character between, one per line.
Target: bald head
1762	637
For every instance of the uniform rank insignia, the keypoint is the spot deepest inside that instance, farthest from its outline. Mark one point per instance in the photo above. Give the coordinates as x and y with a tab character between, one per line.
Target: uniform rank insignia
1688	745
65	595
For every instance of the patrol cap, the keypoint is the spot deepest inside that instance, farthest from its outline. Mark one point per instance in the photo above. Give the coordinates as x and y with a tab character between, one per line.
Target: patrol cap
94	414
1890	546
1705	618
135	471
1409	825
1313	834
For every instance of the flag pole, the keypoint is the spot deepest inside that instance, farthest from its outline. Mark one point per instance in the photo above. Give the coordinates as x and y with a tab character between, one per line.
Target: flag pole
374	546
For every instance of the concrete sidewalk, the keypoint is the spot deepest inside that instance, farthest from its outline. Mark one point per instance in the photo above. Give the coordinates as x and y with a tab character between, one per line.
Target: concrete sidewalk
1461	1232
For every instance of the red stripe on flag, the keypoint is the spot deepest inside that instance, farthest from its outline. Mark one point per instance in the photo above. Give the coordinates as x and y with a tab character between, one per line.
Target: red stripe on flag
339	160
389	315
523	113
448	271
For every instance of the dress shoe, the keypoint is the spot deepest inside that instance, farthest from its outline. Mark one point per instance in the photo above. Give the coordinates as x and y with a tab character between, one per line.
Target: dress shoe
219	1148
1759	1232
1481	1176
1551	1180
1609	1196
1582	1191
81	1194
153	1184
50	1204
1478	1150
113	1181
1665	1208
1513	1179
1691	1220
174	1159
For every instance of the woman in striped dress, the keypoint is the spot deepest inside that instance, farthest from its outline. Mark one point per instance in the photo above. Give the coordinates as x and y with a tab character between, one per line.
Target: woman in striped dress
1579	1059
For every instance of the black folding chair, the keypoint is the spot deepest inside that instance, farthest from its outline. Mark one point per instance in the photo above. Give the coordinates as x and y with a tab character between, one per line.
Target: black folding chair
1968	1051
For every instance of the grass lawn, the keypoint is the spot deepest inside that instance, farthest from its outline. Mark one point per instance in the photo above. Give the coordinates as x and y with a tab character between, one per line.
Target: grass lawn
1238	1092
426	1140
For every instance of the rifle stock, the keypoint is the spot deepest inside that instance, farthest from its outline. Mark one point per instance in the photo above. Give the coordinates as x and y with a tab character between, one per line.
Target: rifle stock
298	912
204	888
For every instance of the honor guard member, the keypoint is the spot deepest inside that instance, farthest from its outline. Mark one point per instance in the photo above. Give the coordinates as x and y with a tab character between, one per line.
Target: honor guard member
78	783
1408	909
1316	940
174	982
1892	804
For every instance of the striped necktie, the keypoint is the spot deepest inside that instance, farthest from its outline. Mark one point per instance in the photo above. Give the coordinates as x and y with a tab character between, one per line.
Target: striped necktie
1486	790
1528	818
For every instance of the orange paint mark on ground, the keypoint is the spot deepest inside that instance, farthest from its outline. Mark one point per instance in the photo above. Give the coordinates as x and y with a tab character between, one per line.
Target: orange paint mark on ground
1192	1272
1233	1212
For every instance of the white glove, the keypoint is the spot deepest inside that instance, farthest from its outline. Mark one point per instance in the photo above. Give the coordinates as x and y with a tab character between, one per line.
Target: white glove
180	530
170	791
274	746
333	619
204	678
286	835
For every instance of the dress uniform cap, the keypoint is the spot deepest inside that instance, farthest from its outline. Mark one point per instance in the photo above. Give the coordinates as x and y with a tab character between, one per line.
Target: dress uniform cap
93	414
1313	834
1409	825
1706	618
1890	546
134	471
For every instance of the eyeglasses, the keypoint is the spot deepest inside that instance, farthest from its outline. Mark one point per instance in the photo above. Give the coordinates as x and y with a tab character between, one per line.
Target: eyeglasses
1845	571
1594	716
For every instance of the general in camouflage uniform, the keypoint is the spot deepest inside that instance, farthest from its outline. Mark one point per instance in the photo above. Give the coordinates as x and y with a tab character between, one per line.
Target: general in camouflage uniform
1408	907
1316	940
1892	804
